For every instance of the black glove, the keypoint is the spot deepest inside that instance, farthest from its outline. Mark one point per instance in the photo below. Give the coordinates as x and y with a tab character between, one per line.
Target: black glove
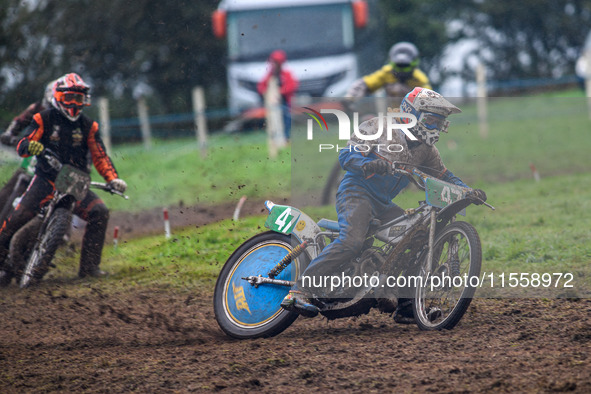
378	167
479	196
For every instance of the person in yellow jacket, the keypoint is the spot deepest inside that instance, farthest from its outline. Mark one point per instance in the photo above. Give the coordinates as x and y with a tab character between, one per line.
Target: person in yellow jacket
397	77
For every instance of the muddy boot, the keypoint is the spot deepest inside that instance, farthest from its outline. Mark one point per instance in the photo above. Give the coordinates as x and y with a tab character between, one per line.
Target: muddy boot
295	301
404	313
5	278
6	274
93	241
90	270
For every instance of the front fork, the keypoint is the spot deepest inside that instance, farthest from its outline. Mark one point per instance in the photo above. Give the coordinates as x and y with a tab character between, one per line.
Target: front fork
286	261
433	222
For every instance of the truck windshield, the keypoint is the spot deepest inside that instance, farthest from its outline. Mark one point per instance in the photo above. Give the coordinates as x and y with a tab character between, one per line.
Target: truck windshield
300	31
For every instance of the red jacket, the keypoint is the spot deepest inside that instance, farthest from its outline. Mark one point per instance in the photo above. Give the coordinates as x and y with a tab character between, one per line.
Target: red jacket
288	84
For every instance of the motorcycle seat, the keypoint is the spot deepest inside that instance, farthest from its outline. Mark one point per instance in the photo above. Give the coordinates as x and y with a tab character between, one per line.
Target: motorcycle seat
331	225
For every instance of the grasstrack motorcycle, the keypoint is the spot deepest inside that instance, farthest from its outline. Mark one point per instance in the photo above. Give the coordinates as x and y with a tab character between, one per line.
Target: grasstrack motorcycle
34	245
426	243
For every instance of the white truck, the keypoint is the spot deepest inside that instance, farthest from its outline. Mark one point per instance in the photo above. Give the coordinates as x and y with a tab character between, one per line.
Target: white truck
320	38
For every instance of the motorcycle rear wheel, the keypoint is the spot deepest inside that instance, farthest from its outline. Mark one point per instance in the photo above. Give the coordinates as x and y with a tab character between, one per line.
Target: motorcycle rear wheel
443	296
245	311
45	248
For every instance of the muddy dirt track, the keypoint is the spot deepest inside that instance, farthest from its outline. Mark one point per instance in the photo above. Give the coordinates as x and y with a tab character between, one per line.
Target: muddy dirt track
58	338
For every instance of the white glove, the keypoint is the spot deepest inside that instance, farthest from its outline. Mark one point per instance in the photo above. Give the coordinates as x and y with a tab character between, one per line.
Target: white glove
118	185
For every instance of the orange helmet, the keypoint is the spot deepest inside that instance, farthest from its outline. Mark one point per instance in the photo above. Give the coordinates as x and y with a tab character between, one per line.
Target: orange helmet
70	95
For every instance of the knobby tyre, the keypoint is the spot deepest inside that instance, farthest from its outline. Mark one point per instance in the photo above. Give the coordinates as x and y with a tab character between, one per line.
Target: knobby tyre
245	311
443	296
44	249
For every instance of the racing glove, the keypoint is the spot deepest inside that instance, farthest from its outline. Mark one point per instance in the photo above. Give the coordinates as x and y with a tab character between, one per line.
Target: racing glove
35	148
479	196
118	185
378	167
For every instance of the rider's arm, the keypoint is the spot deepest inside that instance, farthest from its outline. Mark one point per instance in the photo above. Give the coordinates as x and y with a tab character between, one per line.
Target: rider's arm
353	161
434	166
12	135
33	132
379	78
100	159
448	176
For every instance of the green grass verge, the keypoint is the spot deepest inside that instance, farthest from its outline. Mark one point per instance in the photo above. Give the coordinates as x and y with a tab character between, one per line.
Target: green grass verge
537	227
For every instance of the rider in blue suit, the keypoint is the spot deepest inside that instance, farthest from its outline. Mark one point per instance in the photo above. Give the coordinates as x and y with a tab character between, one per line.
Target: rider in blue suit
368	187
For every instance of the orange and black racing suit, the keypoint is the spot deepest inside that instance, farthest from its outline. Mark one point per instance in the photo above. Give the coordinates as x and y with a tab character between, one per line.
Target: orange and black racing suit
71	142
10	138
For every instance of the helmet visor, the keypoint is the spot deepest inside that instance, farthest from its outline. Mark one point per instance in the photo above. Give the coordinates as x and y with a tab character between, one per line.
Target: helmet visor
402	68
71	98
433	121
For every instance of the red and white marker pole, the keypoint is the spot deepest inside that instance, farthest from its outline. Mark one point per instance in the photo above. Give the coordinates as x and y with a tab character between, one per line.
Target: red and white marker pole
166	223
535	172
115	237
238	208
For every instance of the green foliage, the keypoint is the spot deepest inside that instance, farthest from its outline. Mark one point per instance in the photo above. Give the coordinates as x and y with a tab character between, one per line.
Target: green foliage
525	39
420	22
115	45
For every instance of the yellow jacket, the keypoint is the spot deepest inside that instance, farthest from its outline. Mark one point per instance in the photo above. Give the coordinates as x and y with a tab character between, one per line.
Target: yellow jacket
385	76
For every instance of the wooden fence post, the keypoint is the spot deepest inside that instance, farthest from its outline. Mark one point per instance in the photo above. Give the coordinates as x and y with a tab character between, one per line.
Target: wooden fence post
142	109
200	119
105	122
482	100
273	113
587	63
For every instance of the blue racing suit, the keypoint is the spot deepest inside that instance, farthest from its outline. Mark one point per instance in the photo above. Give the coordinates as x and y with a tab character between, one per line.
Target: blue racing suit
362	197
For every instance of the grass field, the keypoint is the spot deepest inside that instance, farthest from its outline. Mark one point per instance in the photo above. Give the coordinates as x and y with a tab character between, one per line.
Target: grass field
538	226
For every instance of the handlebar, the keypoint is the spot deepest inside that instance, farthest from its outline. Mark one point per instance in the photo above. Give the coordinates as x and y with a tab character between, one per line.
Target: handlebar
52	159
107	188
54	162
413	172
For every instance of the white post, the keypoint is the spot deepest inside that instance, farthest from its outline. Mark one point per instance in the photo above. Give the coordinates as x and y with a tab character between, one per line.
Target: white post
587	68
273	111
200	119
142	109
105	122
482	98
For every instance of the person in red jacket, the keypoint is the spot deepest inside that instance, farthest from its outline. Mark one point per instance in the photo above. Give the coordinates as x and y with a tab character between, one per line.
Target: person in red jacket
288	85
73	137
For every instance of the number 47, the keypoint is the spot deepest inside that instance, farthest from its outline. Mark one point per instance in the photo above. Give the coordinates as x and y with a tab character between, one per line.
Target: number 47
283	221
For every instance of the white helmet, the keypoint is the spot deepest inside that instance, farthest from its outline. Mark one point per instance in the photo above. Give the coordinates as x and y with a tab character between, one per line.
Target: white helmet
431	110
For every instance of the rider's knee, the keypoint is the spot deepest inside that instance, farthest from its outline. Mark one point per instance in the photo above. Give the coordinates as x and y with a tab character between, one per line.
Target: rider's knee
99	214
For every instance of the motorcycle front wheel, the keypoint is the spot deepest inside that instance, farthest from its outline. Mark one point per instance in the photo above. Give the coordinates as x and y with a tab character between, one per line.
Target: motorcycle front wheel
245	311
445	290
44	249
